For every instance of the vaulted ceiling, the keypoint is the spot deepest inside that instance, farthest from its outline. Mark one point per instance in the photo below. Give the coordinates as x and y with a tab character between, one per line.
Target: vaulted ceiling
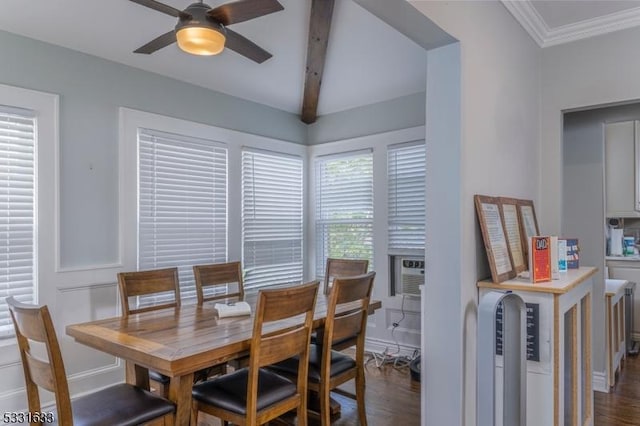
367	60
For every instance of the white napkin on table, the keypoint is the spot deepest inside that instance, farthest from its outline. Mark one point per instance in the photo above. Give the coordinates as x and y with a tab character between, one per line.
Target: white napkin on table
233	309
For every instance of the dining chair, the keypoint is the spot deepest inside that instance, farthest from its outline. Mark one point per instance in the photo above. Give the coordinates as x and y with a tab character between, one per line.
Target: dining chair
343	268
218	278
255	395
146	283
163	283
216	282
340	268
121	404
347	313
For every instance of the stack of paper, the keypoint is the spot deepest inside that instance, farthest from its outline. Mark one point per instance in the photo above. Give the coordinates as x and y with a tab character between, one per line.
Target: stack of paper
233	309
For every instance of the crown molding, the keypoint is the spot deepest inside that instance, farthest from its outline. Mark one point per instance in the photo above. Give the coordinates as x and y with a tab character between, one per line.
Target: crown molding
529	18
533	23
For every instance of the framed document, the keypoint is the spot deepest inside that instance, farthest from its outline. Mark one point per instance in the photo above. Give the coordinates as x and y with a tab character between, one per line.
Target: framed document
495	239
528	224
511	222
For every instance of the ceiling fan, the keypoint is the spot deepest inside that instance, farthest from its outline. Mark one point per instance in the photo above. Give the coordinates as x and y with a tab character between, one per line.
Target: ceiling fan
202	30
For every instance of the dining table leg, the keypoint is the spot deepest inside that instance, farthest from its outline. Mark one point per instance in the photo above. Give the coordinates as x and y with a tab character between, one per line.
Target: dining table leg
136	375
180	394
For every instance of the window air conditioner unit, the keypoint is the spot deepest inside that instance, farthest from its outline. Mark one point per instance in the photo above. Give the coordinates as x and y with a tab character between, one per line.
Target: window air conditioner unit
411	276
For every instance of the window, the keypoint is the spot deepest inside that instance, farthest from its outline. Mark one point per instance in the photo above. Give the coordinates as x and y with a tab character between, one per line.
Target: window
182	204
17	208
272	218
406	173
344	207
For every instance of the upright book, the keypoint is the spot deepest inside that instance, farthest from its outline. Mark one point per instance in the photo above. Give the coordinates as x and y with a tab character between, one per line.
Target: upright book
562	255
573	253
540	259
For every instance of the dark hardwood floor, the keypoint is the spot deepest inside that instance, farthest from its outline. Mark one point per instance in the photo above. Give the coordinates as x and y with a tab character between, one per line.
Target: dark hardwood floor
392	399
620	407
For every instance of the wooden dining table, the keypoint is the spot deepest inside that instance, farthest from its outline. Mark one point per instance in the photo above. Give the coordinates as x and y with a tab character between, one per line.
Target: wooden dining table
177	342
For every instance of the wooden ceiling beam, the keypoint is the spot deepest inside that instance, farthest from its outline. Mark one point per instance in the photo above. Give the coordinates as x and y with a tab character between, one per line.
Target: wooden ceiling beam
319	27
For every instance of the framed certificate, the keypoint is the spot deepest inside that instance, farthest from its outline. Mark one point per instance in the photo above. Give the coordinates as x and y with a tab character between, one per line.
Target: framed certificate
495	239
512	228
528	224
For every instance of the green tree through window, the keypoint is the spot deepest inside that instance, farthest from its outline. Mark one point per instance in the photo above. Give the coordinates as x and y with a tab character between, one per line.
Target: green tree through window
344	208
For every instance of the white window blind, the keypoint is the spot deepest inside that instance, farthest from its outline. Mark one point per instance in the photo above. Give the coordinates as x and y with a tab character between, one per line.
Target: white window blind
406	174
272	218
182	204
344	208
17	207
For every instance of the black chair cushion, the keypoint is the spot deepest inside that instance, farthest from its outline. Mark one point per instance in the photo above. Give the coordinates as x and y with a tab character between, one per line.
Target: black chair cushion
316	339
230	390
119	405
157	377
339	364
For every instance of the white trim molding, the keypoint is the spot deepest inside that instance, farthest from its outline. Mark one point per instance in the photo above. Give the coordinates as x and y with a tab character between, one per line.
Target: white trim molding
380	346
534	24
529	18
600	381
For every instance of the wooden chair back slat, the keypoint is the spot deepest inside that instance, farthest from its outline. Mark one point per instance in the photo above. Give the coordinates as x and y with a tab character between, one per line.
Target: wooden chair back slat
143	283
285	303
347	326
343	268
278	348
218	275
33	323
41	373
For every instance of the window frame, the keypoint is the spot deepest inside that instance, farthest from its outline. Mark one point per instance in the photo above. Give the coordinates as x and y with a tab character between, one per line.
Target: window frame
319	222
379	143
282	157
150	140
397	219
129	122
45	107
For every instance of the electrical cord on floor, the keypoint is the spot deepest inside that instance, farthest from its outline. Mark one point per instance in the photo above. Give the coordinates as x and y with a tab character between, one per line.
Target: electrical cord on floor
399	362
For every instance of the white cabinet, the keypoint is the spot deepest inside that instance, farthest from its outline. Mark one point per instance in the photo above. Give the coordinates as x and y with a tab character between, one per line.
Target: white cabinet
621	169
559	387
628	270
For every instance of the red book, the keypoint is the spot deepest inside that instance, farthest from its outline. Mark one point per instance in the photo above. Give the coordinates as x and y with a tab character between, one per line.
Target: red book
540	259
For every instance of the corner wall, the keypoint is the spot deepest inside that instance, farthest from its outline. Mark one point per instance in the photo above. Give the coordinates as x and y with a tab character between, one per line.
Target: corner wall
396	114
499	155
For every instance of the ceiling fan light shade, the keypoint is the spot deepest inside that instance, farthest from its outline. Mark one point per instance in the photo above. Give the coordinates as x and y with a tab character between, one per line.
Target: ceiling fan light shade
200	40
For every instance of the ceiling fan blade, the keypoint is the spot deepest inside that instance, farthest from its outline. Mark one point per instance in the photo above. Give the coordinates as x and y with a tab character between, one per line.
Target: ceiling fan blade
243	10
164	8
157	43
246	47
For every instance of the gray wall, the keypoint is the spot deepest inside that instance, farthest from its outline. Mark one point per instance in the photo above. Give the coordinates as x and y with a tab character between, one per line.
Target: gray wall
91	90
583	198
395	114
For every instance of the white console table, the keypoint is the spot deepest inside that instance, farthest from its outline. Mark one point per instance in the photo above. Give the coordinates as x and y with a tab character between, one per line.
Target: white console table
559	388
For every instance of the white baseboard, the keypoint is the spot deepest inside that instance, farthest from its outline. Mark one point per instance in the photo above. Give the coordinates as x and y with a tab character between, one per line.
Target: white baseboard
379	346
600	381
